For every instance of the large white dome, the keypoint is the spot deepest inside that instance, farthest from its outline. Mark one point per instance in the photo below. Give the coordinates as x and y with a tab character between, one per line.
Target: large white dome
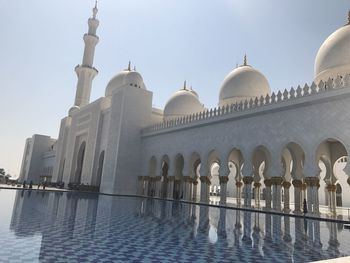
243	83
183	102
333	57
126	77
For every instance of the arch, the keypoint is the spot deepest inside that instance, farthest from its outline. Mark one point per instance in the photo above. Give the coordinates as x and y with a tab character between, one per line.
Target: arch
235	162
329	152
331	157
80	163
261	159
195	161
293	157
100	168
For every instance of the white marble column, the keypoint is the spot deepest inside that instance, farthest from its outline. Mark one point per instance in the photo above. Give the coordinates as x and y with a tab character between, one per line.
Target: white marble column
257	194
312	183
286	197
277	198
194	190
268	196
297	195
205	184
248	180
170	189
223	189
239	193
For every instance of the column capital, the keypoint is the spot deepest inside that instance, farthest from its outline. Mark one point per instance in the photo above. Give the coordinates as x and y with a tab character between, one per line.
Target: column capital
331	187
286	184
312	181
248	179
297	183
257	184
171	178
276	180
239	184
205	179
268	182
223	179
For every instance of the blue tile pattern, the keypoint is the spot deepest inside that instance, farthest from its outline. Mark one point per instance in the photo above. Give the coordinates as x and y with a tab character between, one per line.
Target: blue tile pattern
75	227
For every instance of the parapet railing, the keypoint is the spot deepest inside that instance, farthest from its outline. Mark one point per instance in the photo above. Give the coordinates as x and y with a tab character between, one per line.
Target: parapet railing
337	83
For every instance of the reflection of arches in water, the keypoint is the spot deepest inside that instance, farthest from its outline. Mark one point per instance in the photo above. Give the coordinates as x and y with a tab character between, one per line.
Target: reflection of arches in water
338	192
100	168
80	162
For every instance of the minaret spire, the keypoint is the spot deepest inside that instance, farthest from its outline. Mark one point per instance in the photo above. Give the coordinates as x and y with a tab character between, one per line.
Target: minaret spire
245	60
86	71
95	10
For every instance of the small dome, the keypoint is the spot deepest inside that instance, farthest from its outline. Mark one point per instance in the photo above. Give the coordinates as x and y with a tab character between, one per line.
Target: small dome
333	57
126	77
183	102
243	83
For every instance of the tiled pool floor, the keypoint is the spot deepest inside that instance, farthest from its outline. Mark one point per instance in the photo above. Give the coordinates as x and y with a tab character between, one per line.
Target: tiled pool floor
76	227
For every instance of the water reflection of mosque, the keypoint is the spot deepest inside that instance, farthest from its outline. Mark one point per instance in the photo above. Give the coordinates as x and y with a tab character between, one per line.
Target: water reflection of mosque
86	218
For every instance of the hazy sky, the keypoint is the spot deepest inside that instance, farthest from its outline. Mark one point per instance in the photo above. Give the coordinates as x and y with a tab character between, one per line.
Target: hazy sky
168	40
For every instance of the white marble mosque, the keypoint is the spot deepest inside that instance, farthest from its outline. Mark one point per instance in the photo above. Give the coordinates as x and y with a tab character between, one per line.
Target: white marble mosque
257	147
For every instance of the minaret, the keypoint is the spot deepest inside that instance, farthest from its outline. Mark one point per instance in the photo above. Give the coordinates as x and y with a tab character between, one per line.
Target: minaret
86	72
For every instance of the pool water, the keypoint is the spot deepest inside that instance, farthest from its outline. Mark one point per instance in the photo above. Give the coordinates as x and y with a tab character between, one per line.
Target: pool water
75	227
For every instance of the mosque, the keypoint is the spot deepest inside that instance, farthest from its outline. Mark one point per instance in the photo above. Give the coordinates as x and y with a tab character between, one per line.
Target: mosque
263	149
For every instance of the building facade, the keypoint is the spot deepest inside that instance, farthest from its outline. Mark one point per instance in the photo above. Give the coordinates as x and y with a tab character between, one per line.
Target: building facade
262	148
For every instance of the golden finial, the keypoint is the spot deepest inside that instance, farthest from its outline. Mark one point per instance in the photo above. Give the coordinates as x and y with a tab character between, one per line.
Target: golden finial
129	66
245	60
95	10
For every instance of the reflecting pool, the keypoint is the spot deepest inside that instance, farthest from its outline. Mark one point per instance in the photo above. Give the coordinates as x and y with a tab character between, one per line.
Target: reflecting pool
74	227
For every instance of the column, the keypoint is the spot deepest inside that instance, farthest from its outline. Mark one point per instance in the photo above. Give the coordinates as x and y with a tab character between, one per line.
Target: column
286	206
185	188
277	183
146	180
190	188
205	184
239	193
158	183
170	189
247	180
332	198
223	189
257	194
194	191
312	184
297	195
268	183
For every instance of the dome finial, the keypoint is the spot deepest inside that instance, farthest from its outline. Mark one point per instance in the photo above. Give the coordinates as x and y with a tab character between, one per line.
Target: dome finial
245	60
185	85
134	68
95	10
129	66
349	17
